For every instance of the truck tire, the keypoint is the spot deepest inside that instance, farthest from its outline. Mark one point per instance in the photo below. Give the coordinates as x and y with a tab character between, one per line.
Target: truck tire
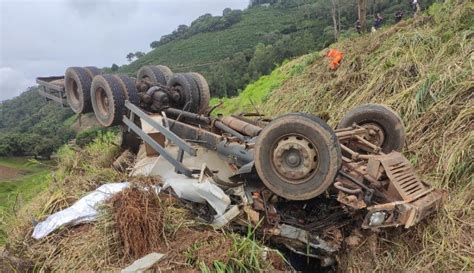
77	82
93	71
181	83
204	92
151	74
195	93
130	90
166	71
108	100
387	126
297	156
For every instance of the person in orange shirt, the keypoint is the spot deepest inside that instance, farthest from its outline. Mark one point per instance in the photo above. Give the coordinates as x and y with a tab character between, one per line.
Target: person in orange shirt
336	57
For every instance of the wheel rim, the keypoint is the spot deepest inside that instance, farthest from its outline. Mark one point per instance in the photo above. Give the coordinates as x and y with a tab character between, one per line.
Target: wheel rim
74	94
295	159
102	102
376	134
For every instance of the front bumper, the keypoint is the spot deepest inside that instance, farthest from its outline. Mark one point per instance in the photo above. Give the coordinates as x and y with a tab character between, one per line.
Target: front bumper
403	213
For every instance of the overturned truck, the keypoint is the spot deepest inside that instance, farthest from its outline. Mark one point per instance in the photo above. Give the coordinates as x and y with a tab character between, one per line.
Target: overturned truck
305	185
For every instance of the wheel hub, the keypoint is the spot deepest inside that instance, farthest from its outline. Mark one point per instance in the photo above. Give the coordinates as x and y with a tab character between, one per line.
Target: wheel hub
294	158
375	135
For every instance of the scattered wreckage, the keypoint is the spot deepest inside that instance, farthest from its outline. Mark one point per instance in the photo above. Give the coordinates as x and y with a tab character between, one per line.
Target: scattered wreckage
303	184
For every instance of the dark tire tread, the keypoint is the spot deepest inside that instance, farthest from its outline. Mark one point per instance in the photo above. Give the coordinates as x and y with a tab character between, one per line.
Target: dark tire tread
115	92
84	81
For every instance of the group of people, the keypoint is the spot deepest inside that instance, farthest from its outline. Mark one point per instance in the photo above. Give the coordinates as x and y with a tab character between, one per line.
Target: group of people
378	20
335	56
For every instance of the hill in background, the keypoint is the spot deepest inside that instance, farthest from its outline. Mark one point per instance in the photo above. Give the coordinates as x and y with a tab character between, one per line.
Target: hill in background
237	48
31	126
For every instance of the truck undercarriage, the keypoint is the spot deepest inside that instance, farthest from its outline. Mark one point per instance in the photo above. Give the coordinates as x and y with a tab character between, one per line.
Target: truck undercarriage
303	184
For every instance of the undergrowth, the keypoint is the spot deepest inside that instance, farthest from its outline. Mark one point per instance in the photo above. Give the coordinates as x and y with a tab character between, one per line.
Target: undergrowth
131	224
422	68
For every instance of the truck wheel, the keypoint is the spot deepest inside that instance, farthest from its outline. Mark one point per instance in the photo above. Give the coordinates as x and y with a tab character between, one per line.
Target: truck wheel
93	71
77	82
108	100
181	83
195	94
386	127
166	71
130	90
204	92
297	156
151	74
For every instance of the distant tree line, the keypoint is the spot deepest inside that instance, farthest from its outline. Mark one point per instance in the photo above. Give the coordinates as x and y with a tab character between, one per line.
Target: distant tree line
29	126
137	55
205	23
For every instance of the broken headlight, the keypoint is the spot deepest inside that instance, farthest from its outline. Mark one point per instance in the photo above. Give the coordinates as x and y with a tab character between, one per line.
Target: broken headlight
377	218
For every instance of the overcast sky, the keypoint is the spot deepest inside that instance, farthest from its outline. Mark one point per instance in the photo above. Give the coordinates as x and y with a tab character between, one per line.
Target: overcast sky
44	37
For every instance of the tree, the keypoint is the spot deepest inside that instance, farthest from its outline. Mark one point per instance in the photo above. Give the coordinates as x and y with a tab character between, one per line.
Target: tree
114	68
139	54
155	44
335	18
362	12
130	56
226	11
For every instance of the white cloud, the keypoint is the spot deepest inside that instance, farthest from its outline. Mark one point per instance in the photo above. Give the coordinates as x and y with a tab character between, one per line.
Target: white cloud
43	38
12	83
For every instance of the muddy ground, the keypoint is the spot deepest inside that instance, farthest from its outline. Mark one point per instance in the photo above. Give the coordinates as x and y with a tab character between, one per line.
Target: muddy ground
8	173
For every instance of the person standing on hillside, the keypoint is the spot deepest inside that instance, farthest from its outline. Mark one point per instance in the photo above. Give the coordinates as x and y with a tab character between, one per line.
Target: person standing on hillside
416	6
358	27
377	22
398	16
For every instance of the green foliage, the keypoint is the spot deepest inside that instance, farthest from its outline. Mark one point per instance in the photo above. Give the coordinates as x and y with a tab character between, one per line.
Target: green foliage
86	137
15	192
237	48
31	126
258	92
114	68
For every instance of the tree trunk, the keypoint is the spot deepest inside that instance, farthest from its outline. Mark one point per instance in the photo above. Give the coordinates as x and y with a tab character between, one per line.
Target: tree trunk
334	19
362	12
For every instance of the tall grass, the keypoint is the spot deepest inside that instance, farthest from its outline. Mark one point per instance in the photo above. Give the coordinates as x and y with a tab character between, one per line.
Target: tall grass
423	69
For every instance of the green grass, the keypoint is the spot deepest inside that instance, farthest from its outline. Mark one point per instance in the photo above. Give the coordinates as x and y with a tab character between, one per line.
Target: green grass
257	93
16	192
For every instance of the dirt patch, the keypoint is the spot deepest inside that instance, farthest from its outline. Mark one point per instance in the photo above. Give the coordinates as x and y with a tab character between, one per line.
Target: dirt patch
7	173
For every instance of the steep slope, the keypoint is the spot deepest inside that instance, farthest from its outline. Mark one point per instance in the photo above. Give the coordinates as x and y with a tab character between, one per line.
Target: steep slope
210	47
423	69
232	57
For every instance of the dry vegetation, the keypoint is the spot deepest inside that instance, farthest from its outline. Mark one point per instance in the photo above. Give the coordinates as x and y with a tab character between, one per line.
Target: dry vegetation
131	224
423	69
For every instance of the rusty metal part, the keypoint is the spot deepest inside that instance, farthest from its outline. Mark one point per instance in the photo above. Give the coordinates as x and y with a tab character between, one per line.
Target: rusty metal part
375	135
241	126
295	158
402	175
350	200
338	185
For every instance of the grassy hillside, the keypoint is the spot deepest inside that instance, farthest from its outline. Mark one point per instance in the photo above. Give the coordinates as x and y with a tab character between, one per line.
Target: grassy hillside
20	180
231	58
423	69
210	47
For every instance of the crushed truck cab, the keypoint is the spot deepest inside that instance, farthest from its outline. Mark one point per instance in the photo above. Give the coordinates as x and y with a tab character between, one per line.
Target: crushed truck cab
304	185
